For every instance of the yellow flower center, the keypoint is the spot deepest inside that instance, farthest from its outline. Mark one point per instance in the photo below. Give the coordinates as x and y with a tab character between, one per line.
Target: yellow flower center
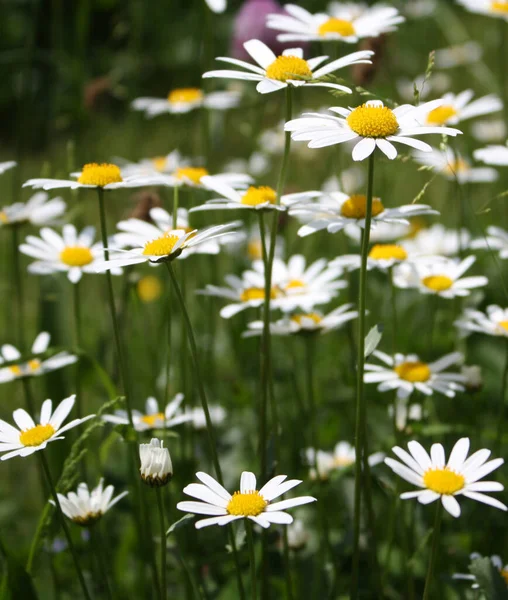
153	420
3	217
149	288
501	7
312	316
355	207
36	435
255	250
373	121
34	364
443	481
414	372
504	325
255	293
387	252
504	575
100	175
288	67
185	96
437	283
342	461
159	162
259	195
162	246
250	504
88	519
457	166
340	26
441	115
76	256
193	174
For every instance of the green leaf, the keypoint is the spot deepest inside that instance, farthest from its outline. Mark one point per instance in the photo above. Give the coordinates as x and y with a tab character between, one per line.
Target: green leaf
372	340
489	579
180	523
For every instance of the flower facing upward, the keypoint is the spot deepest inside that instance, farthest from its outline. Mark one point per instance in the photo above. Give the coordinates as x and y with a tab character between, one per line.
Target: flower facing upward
438	479
247	503
86	507
39	210
156	467
184	100
457	108
493	322
153	417
31	437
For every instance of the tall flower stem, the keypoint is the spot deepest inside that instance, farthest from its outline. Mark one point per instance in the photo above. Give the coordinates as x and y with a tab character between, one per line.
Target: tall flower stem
434	550
70	543
360	408
160	506
19	289
204	404
502	398
252	559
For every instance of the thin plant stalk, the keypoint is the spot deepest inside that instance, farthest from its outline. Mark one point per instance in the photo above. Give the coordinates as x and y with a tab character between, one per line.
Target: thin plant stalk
252	559
360	409
100	555
502	398
434	550
19	289
160	506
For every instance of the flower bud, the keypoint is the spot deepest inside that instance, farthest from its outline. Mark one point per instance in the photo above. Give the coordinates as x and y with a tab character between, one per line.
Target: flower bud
156	467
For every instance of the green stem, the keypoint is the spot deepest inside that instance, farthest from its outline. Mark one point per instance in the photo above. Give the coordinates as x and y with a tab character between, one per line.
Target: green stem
37	537
175	206
360	409
434	550
19	289
95	534
502	396
160	506
77	337
252	559
70	543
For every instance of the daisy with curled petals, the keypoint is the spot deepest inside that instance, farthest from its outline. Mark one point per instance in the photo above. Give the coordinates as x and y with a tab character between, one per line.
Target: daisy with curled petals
457	108
492	8
496	156
277	72
152	418
407	373
247	503
497	563
342	457
443	480
372	125
71	252
38	211
492	322
31	437
438	276
455	168
86	507
337	210
345	22
5	166
184	100
32	365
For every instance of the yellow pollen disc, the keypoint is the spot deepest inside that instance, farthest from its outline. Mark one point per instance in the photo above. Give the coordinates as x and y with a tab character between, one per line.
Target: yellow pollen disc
162	246
3	217
295	284
504	575
193	174
312	316
149	288
16	369
443	481
288	67
99	175
259	195
340	26
355	207
413	371
501	7
153	420
457	166
34	364
250	504
503	324
159	162
76	256
387	252
36	435
373	121
185	96
437	283
254	293
441	115
255	250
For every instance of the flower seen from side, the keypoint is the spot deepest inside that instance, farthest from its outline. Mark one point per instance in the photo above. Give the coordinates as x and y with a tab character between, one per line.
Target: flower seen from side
491	8
496	156
38	210
455	168
494	321
456	108
152	417
156	466
323	463
184	100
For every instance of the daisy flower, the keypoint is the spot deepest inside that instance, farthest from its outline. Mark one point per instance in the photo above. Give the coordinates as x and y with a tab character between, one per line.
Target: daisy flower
345	22
34	365
247	503
496	239
197	416
493	322
492	8
457	108
489	130
381	256
39	210
302	323
156	467
86	507
438	479
290	68
436	240
5	166
31	437
153	417
371	125
459	55
384	232
184	100
407	373
497	563
336	210
493	155
72	252
454	167
342	457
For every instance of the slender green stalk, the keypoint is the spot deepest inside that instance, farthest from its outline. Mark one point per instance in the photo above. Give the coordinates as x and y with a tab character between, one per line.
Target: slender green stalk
37	535
175	206
360	409
70	543
252	559
76	293
19	289
434	550
502	399
100	554
160	506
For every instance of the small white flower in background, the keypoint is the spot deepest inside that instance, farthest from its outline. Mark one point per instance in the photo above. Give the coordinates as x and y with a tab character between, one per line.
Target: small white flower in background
496	156
381	256
371	125
216	6
496	239
492	8
343	456
407	373
153	417
438	276
496	563
257	165
349	181
38	210
455	167
384	232
305	323
298	535
5	166
184	100
456	108
247	503
86	507
436	240
417	9
156	466
277	72
405	412
473	377
437	84
491	130
493	322
459	55
441	480
344	22
196	416
249	244
31	437
34	365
